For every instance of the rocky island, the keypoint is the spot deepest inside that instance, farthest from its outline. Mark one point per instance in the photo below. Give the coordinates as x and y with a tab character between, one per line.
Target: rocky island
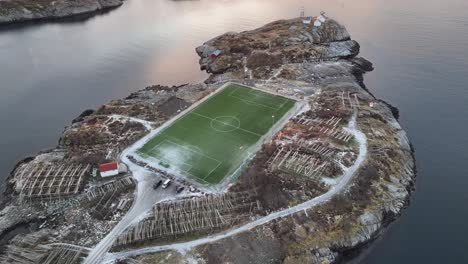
326	177
20	11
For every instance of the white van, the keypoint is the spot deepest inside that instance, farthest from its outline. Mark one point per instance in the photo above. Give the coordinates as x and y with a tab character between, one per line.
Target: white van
166	183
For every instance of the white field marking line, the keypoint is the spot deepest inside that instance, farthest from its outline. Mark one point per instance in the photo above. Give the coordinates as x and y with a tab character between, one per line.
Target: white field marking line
219	130
267	91
157	160
188	166
201	181
235	90
230	116
269	96
210	97
250	132
261	94
157	145
212	172
189	149
203	155
262	91
174	171
253	103
183	164
258	92
284	102
197	148
190	146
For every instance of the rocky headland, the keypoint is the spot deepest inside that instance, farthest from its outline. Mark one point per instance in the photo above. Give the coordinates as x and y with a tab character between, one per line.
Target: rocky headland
367	166
22	11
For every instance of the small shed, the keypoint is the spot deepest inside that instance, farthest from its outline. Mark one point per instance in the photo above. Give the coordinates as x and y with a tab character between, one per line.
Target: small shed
109	169
215	54
307	20
319	20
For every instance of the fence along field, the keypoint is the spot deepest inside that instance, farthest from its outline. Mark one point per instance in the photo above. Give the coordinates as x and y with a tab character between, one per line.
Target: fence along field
215	138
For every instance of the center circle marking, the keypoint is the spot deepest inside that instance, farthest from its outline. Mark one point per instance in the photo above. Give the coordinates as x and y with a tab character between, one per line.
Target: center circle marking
225	123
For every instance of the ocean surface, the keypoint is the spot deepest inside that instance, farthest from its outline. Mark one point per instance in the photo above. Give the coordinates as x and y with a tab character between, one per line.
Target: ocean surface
50	73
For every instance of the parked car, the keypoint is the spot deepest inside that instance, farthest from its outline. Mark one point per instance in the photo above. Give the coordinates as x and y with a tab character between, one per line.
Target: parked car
166	183
180	189
157	184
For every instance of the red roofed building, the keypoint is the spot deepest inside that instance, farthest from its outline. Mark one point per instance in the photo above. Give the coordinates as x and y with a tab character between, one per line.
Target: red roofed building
109	169
215	54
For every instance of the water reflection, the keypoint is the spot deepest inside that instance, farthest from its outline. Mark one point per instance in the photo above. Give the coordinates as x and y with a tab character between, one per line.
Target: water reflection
51	72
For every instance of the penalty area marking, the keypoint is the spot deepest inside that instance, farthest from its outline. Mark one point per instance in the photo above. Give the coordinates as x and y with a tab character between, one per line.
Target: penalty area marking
167	141
157	158
262	94
266	95
254	103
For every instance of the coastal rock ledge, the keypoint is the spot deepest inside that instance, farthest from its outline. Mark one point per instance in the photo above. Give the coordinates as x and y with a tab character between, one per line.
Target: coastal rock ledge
20	11
326	182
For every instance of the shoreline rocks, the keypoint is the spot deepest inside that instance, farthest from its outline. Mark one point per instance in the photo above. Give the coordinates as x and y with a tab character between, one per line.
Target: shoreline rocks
27	11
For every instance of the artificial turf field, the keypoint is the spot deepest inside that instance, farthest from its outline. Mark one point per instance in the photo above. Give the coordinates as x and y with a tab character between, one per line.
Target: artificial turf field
214	139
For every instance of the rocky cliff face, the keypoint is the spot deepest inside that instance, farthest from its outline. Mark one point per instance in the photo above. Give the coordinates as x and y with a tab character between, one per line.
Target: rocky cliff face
275	44
14	11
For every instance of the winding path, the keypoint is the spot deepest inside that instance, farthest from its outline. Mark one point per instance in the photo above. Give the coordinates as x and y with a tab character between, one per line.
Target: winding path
145	198
185	246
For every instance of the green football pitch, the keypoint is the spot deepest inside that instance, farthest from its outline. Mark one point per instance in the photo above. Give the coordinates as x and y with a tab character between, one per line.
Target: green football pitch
215	138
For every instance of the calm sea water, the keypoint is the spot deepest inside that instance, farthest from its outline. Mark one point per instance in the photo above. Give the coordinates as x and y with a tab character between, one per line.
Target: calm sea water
49	73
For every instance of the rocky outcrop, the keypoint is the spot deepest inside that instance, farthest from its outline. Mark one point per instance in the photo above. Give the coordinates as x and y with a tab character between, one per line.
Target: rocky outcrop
17	11
280	42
